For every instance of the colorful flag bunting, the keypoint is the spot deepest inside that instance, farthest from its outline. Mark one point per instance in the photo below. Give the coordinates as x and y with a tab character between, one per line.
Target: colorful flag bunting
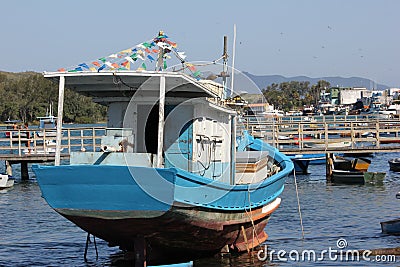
144	51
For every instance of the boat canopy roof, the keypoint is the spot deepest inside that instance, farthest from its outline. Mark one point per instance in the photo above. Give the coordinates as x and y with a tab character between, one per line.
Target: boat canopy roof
126	83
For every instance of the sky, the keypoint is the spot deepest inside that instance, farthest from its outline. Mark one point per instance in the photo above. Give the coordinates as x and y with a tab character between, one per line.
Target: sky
314	38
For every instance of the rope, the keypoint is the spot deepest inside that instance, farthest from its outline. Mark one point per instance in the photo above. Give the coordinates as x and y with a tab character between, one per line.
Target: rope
252	223
298	205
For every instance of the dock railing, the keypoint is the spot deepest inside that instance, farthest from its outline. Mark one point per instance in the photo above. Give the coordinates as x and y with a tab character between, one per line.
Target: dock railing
29	142
323	133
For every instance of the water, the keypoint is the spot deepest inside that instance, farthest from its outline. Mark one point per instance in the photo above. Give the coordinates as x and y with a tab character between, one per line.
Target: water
32	234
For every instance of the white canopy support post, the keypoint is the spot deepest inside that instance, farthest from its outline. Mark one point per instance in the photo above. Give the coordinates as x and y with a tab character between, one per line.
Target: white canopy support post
161	105
61	86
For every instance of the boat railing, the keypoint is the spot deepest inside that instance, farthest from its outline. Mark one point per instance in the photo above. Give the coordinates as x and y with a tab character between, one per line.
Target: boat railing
29	142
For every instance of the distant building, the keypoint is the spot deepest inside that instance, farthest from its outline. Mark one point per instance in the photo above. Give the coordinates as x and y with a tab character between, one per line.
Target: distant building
350	96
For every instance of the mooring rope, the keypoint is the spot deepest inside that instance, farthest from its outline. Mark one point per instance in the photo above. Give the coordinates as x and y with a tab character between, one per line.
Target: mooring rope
298	204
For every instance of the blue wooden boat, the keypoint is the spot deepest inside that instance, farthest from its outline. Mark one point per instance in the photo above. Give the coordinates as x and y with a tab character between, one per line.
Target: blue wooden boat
173	179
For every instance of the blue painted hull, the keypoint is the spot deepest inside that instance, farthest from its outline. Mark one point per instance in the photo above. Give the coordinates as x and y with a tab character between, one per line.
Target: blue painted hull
176	211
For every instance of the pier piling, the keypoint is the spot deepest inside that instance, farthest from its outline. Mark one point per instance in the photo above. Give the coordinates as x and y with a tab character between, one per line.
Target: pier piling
24	171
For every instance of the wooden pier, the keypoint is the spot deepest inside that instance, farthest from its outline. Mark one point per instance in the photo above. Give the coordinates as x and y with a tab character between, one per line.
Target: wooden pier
23	146
327	134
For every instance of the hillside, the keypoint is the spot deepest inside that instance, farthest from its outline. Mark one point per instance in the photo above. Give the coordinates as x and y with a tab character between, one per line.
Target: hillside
263	81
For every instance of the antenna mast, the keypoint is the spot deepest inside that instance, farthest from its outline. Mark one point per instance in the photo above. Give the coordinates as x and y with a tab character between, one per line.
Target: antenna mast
233	57
224	73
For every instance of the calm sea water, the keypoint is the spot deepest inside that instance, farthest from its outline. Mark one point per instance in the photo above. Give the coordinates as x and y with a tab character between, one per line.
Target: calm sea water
32	234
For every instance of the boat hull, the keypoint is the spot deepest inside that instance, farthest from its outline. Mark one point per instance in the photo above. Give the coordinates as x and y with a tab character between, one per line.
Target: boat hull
347	177
181	233
173	210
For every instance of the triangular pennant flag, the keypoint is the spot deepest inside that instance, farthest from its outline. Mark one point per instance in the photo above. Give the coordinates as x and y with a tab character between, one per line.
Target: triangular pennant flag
197	73
102	59
164	45
154	50
165	65
101	68
115	65
113	56
126	51
147	45
150	57
97	64
61	70
109	64
144	66
130	59
140	56
182	55
93	69
84	65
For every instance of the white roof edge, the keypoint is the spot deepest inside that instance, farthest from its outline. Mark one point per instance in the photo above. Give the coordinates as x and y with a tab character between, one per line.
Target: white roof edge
108	73
132	73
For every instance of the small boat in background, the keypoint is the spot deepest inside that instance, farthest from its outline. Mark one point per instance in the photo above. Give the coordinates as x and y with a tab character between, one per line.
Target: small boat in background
340	144
375	178
391	227
47	124
302	161
394	164
5	181
355	171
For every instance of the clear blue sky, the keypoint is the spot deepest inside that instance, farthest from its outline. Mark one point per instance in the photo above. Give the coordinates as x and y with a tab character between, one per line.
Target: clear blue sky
286	37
